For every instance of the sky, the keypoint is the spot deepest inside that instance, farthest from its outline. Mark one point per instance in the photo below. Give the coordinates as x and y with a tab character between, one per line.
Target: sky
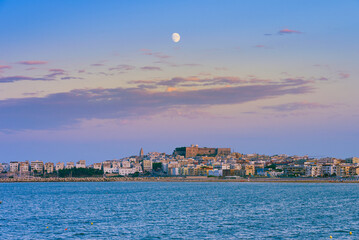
98	80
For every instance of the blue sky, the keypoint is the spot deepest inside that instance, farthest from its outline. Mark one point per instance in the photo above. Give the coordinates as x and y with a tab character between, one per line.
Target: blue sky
98	80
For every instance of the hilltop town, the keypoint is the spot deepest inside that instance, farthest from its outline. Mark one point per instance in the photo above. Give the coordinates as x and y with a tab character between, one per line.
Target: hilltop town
189	161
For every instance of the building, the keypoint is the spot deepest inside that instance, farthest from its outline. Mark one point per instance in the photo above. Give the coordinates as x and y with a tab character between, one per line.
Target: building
354	160
141	153
24	168
329	170
126	164
215	173
294	170
194	151
97	166
59	166
70	165
14	167
37	167
111	170
107	166
249	170
49	167
4	167
147	165
81	164
126	171
313	170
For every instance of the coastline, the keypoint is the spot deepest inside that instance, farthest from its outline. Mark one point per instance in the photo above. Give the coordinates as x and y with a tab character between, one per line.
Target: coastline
181	179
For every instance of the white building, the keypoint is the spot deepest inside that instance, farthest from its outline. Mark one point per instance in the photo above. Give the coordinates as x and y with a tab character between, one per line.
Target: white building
81	164
126	164
313	170
59	166
70	165
329	169
37	166
14	167
175	171
215	172
97	166
110	170
126	171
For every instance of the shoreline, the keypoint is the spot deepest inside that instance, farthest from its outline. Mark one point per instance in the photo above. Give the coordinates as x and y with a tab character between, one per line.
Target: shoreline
181	179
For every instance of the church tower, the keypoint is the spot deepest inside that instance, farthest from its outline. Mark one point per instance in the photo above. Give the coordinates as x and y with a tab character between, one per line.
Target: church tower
141	152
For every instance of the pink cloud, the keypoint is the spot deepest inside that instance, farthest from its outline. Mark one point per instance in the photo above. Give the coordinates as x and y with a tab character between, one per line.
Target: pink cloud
288	31
4	67
344	75
32	62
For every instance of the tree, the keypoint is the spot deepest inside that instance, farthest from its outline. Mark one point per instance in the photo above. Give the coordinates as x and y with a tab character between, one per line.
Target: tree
80	172
272	166
157	166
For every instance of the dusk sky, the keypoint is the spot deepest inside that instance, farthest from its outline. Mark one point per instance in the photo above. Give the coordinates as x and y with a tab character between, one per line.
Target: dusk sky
98	80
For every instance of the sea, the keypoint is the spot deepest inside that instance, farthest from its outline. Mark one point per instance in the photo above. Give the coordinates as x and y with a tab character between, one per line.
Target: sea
179	210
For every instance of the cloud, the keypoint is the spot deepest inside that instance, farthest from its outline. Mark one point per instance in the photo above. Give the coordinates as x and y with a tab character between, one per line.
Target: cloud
288	31
57	70
171	89
151	68
154	54
32	62
195	81
66	109
5	67
343	75
69	78
259	46
20	78
122	67
141	82
171	64
289	107
54	73
30	69
97	64
202	82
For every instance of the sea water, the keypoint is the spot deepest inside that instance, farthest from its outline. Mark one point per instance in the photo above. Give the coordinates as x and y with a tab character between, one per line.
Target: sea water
178	210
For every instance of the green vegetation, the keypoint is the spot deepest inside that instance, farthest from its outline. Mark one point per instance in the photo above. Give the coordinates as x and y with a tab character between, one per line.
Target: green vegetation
272	166
80	172
136	174
157	166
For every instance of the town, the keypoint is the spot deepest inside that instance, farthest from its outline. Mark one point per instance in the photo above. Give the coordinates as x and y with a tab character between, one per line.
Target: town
189	161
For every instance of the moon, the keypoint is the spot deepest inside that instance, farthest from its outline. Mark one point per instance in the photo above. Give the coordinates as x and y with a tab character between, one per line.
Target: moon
176	37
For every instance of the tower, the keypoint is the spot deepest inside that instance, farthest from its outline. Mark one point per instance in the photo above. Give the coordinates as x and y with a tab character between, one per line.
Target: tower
141	152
